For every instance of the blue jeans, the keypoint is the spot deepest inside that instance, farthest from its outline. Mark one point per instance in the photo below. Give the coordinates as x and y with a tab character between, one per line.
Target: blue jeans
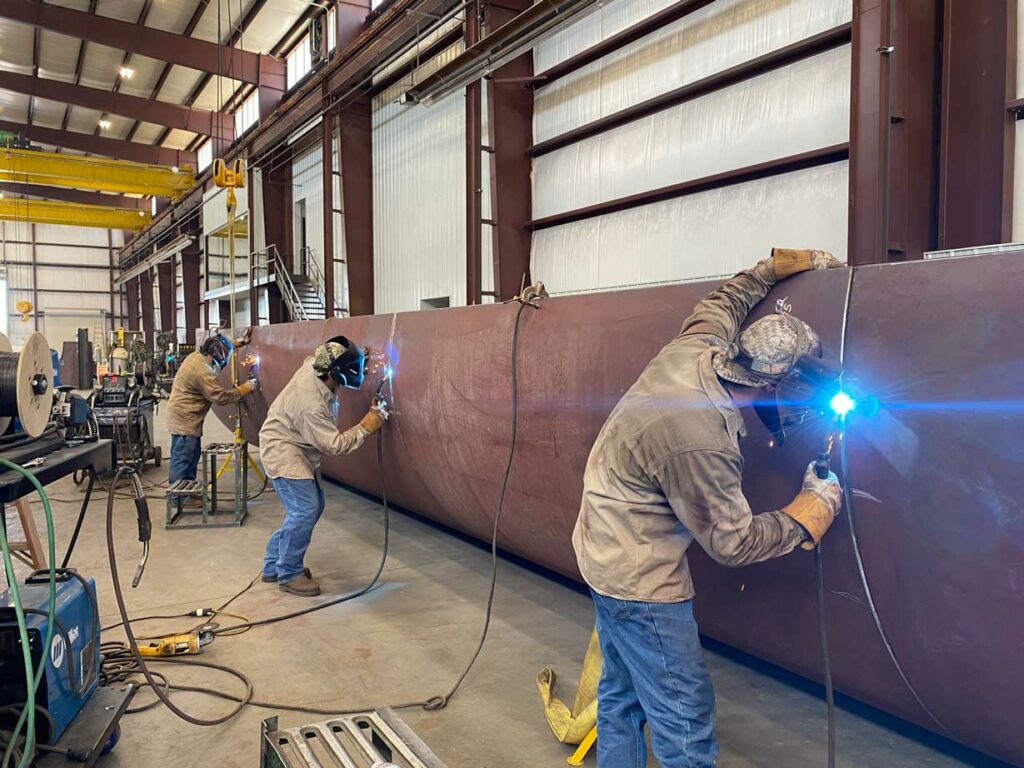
653	673
303	502
185	452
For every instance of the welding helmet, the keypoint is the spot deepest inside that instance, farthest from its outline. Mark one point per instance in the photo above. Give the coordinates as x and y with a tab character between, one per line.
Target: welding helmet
782	353
342	360
219	347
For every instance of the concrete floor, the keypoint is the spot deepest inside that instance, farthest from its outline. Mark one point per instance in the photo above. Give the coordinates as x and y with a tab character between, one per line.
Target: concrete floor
408	640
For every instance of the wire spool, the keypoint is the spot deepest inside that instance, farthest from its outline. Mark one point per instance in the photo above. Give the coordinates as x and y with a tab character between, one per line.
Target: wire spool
26	384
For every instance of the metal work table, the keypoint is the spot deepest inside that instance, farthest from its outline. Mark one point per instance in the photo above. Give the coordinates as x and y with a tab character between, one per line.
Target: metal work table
57	464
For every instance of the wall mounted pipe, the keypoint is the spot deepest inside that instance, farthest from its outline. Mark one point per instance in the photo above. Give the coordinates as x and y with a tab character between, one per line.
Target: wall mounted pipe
936	475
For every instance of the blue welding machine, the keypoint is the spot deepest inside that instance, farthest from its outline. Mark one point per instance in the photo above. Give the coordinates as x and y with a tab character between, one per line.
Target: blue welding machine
72	660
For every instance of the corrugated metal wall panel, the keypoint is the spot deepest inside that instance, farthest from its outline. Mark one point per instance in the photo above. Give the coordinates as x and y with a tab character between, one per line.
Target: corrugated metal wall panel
791	110
725	33
71	248
785	112
419	198
708	234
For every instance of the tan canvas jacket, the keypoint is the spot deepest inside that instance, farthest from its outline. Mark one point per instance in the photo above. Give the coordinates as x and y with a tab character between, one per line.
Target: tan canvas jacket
195	389
666	467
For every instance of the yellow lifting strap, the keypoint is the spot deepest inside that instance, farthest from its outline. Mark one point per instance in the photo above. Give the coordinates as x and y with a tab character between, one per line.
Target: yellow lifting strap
572	726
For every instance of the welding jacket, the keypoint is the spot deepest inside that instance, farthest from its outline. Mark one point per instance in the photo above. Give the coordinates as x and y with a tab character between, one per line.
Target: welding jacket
300	428
194	390
666	467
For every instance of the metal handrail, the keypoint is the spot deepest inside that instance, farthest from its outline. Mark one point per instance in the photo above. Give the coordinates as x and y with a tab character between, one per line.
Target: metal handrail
316	277
270	255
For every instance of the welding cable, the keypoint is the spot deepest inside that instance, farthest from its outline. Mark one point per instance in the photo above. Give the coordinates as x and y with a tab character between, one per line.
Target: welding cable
115	672
32	681
830	697
848	504
81	518
133	644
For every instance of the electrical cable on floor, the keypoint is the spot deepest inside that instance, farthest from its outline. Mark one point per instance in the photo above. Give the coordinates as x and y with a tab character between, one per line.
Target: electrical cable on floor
119	662
830	698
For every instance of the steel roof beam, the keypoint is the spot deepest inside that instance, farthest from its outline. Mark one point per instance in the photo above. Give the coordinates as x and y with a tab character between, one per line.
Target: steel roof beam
101	145
75	196
190	52
159	112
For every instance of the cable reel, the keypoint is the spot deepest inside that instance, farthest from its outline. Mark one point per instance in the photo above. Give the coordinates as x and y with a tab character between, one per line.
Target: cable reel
26	384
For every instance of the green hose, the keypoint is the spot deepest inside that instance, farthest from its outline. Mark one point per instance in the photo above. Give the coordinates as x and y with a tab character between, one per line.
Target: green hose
32	685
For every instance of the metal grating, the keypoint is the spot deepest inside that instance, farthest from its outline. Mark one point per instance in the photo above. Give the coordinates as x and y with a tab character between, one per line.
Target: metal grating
376	739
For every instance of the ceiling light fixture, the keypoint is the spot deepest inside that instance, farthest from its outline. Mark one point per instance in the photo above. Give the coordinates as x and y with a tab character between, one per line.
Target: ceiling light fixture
105	125
127	73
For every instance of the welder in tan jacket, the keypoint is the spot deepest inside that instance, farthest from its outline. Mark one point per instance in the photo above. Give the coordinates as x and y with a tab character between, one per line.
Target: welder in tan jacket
666	471
194	391
300	429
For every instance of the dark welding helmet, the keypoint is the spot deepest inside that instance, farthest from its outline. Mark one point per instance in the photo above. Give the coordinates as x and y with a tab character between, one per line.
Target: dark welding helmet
219	347
804	392
342	360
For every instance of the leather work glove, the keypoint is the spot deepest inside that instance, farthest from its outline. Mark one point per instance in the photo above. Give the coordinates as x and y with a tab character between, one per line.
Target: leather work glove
790	261
245	338
374	419
816	506
246	387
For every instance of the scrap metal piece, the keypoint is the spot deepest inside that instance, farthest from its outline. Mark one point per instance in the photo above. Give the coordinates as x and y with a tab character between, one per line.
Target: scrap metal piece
375	738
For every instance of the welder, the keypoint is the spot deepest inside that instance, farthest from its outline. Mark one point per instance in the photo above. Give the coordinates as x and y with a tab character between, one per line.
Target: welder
300	428
194	390
665	471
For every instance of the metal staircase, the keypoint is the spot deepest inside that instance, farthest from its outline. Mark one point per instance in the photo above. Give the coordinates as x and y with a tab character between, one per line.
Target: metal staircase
302	290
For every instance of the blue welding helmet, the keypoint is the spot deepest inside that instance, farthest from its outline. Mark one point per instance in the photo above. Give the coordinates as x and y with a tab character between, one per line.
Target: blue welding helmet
348	367
219	347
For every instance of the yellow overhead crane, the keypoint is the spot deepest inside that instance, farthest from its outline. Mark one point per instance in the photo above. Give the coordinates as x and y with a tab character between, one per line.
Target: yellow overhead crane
28	166
72	214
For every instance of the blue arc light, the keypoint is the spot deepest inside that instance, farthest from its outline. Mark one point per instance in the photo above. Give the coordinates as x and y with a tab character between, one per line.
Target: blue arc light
841	404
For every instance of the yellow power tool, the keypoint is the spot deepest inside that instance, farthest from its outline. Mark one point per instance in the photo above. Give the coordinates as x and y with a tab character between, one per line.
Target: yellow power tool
190	644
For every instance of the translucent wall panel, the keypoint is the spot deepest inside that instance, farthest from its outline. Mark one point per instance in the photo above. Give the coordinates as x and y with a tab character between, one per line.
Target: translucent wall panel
419	199
719	36
802	107
704	235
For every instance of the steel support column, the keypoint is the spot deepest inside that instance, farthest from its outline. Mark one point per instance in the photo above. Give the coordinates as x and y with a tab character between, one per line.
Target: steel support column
148	310
510	121
114	290
327	176
277	226
974	119
893	130
355	139
165	284
35	281
474	189
132	310
191	289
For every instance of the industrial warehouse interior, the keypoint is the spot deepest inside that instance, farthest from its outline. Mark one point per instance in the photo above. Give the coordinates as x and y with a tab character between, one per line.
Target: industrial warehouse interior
511	383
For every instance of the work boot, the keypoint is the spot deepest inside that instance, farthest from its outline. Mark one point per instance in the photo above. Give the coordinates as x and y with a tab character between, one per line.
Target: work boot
267	578
301	585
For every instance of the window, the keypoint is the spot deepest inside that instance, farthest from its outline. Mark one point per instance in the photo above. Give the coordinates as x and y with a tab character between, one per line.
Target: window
204	156
331	30
298	62
441	302
247	115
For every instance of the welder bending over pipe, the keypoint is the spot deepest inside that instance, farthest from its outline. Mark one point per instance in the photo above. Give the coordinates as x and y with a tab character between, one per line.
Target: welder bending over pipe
666	470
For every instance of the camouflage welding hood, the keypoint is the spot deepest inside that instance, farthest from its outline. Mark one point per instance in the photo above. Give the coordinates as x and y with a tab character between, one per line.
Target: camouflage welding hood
767	351
344	361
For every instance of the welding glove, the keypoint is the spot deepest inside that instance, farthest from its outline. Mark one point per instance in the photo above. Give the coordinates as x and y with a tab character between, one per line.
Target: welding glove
790	261
374	419
246	387
816	506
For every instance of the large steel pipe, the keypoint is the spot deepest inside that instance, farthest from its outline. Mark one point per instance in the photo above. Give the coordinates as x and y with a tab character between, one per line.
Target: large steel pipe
937	474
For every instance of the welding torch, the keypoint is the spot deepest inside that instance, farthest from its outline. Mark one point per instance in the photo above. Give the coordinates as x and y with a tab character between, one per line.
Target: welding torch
145	524
841	405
